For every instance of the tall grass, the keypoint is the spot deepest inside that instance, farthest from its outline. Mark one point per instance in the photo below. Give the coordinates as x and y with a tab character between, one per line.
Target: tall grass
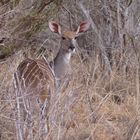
99	99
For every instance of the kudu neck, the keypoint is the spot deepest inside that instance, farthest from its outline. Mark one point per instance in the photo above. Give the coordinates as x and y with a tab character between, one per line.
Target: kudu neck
62	63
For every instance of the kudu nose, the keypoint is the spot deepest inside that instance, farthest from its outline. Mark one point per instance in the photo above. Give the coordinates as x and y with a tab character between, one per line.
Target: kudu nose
71	48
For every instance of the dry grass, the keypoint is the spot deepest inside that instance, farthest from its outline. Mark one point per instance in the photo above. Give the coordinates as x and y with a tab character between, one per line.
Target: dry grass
99	99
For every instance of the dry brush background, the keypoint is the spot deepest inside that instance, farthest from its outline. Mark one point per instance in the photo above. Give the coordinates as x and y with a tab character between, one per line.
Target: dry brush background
101	99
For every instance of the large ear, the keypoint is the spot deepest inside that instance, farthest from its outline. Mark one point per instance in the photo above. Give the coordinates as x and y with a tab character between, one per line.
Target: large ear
54	27
84	26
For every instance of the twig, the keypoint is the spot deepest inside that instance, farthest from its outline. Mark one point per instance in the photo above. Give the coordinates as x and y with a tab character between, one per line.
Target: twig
44	4
134	129
101	46
18	125
99	106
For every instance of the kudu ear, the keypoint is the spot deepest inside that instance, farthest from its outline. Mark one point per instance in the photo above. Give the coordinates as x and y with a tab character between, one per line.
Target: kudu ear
54	27
84	26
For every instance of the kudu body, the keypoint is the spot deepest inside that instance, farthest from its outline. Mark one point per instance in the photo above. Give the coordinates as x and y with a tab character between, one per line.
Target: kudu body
36	78
37	73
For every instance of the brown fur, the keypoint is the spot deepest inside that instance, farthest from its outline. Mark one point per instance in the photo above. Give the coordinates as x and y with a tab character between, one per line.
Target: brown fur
36	74
69	34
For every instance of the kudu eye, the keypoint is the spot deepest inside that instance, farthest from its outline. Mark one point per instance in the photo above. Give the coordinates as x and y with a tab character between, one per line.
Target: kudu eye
75	37
63	38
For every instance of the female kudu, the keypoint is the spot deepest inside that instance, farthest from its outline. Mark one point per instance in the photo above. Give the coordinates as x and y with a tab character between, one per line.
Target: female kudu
36	80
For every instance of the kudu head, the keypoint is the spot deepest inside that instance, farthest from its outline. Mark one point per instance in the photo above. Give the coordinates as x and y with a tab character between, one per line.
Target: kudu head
68	38
68	45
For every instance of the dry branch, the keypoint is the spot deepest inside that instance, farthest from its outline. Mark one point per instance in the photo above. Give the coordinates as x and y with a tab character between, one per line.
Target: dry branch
101	46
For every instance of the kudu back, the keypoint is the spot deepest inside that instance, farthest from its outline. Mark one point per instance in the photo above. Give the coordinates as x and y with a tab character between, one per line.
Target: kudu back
37	77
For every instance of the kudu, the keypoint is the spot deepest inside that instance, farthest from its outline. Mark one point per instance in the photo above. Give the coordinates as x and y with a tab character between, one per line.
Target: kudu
32	73
36	78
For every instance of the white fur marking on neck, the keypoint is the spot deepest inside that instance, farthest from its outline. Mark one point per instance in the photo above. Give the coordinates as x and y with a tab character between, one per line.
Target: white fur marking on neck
74	42
67	57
